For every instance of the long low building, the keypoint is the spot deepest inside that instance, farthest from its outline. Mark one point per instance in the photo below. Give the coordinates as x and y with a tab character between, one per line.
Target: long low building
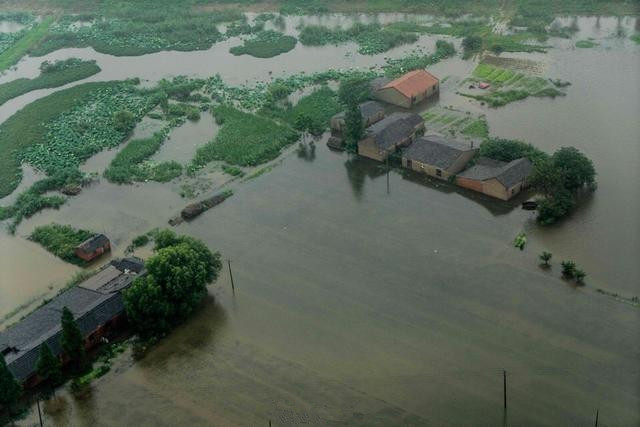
438	156
371	111
97	307
407	90
502	180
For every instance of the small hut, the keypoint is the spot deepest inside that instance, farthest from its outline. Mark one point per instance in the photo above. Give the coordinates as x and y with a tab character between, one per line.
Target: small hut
93	247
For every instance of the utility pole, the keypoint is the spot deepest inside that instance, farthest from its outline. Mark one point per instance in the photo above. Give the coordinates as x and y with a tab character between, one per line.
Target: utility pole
387	174
39	414
504	384
597	414
233	288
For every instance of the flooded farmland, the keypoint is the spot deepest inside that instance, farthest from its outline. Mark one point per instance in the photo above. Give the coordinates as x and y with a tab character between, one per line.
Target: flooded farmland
367	298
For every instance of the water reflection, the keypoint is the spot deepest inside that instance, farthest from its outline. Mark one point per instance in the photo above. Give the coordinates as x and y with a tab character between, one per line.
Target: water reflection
358	169
307	151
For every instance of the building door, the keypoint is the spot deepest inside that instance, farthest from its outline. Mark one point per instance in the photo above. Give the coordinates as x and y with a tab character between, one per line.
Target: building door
409	163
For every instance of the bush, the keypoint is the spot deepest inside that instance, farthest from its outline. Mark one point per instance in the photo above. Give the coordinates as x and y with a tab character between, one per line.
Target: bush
266	44
568	269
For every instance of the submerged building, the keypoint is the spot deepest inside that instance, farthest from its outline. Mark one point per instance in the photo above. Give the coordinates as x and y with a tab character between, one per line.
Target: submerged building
501	180
390	134
407	90
438	156
97	307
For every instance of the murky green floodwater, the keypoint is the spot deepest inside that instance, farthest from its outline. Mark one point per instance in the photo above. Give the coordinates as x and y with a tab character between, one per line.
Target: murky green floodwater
365	303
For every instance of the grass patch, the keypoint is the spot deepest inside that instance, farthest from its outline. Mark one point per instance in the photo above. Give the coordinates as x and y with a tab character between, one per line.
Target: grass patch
265	44
61	240
131	163
232	170
478	129
244	139
636	38
586	44
20	48
52	75
311	114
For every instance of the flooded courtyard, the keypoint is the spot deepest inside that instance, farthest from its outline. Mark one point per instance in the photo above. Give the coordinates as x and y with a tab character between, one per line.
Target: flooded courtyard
367	297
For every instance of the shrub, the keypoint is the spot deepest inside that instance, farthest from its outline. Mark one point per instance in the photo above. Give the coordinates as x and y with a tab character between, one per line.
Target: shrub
568	269
61	240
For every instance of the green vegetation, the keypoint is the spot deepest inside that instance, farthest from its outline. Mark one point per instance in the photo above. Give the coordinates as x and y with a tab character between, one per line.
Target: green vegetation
130	164
72	342
586	44
10	389
636	38
311	114
478	128
65	128
232	170
507	150
418	59
49	367
61	240
371	38
174	286
265	44
545	257
509	85
471	46
54	74
244	139
520	241
104	360
17	50
137	28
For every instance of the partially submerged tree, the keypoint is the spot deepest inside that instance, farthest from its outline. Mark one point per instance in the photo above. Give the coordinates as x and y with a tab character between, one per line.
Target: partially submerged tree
72	341
353	127
9	387
545	257
580	275
175	284
568	269
48	366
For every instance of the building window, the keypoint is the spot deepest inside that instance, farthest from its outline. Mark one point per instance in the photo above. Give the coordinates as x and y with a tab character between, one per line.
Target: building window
438	172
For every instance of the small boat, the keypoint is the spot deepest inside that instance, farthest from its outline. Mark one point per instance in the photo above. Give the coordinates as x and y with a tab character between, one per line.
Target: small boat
529	205
484	85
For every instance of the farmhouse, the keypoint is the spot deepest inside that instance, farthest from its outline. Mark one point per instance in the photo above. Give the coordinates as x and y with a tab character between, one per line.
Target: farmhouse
97	307
371	111
497	179
407	90
93	247
389	134
438	156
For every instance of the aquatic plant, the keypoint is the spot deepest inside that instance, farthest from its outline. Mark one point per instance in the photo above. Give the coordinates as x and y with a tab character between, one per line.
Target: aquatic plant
52	75
61	240
14	47
520	241
265	44
586	44
244	139
371	38
418	59
545	257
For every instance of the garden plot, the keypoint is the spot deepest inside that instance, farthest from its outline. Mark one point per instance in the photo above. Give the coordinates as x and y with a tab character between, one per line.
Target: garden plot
506	85
456	123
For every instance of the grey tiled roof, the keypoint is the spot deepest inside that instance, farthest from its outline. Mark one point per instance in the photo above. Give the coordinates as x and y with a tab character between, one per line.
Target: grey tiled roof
91	308
436	150
371	108
508	174
393	128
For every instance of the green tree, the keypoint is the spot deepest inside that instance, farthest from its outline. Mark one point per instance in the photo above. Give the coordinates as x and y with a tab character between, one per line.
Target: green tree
353	127
72	341
568	269
175	284
354	90
48	366
9	388
545	257
471	45
577	170
580	275
124	120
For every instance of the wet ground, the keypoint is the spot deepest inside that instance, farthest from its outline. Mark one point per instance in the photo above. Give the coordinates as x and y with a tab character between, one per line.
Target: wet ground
366	301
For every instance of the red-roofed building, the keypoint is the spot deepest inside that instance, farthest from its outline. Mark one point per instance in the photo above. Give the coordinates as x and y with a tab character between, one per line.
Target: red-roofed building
407	90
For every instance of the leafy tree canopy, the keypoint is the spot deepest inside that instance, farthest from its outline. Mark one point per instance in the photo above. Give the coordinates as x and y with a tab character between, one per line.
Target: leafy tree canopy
72	341
9	388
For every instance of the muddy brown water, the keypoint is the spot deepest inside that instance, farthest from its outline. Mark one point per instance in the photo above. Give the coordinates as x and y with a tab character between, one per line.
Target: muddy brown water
365	303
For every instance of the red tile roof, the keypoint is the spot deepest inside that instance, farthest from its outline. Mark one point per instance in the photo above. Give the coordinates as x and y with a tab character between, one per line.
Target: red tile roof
413	83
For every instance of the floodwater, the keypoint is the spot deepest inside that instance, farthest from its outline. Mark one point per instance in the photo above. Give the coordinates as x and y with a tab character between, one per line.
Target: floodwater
371	299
